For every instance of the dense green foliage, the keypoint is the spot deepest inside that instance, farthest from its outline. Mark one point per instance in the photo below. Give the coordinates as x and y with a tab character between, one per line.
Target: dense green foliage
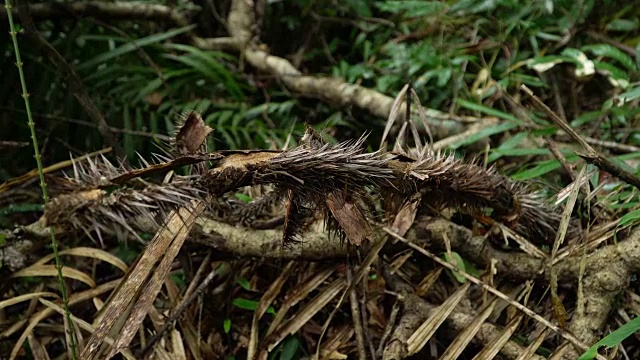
142	77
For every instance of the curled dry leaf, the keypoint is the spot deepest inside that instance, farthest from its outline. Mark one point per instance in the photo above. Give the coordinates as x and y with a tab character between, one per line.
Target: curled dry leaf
350	217
192	134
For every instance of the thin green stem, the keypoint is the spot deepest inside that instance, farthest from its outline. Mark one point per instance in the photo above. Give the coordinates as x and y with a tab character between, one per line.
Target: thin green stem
43	185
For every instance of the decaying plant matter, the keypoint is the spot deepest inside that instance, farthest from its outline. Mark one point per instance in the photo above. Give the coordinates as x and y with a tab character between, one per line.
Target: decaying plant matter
365	198
341	183
356	192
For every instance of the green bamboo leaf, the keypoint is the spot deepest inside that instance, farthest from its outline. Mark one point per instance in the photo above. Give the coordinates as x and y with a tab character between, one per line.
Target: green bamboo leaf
613	339
629	156
132	46
585	118
244	283
290	348
209	59
521	152
542	168
129	146
252	305
622	25
20	208
484	133
544	63
196	64
458	261
611	52
487	110
629	217
617	77
630	95
227	137
509	143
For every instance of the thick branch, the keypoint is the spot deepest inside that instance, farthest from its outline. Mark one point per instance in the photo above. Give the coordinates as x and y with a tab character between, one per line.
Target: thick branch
117	10
268	243
331	90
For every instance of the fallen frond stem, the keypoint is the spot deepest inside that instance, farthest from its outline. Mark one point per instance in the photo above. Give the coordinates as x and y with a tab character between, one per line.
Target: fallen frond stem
316	175
19	180
143	282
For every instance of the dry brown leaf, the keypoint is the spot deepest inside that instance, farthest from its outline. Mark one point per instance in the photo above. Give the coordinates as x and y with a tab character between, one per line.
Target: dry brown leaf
177	346
421	336
36	318
465	336
560	351
299	293
49	169
51	270
304	315
154	99
25	297
406	216
534	346
349	216
427	282
174	232
89	252
163	167
37	349
176	229
263	305
491	350
192	134
83	325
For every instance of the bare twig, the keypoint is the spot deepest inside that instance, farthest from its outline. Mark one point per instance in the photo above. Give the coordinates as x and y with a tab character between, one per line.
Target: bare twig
592	156
357	321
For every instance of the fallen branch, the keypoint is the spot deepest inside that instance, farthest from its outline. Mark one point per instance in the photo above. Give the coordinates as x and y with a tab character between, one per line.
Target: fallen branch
117	10
331	90
334	91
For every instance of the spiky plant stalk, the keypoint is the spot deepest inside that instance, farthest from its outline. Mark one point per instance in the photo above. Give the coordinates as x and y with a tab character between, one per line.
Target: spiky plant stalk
43	185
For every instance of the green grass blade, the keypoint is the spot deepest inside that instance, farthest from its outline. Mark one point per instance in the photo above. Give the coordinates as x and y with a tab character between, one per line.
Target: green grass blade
613	339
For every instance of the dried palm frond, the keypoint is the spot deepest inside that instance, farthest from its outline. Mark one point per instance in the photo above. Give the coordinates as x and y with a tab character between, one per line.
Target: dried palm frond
341	182
134	206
